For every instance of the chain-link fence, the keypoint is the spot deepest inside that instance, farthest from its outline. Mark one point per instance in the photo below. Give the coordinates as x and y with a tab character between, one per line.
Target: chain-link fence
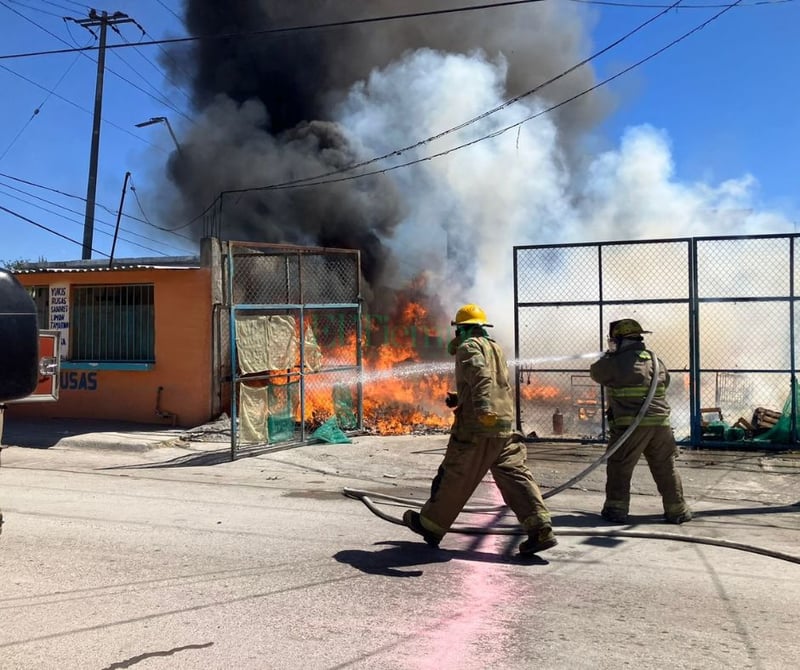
722	315
289	339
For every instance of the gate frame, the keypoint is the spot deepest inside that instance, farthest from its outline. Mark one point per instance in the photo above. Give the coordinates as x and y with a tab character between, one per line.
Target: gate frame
229	273
693	302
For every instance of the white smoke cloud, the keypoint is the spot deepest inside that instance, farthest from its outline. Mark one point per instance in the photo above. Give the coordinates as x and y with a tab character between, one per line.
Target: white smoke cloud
468	209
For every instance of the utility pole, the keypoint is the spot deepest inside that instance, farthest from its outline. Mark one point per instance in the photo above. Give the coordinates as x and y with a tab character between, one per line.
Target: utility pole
103	21
119	216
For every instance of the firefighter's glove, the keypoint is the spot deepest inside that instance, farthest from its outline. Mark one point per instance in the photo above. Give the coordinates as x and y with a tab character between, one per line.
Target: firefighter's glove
487	420
451	400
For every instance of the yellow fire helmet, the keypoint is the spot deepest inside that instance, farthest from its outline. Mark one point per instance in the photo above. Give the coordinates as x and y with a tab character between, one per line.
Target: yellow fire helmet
625	328
470	315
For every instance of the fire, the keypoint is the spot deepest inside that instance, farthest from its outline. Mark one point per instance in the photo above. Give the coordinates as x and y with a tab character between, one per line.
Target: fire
399	404
536	392
404	399
403	390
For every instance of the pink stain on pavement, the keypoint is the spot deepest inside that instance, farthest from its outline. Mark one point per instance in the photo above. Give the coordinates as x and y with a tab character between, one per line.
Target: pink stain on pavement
472	618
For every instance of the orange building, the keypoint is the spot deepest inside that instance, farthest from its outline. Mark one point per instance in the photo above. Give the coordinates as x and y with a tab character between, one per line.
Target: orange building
136	340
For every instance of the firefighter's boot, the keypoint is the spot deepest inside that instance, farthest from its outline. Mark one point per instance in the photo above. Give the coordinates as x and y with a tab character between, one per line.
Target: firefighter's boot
413	520
538	540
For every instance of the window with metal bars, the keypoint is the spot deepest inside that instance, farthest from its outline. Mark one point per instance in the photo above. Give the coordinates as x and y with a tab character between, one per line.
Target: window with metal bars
113	323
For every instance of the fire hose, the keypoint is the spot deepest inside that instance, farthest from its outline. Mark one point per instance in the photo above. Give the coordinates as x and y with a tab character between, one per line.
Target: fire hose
367	497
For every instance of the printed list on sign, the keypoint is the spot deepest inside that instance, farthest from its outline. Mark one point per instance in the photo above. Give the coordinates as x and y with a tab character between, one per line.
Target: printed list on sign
59	313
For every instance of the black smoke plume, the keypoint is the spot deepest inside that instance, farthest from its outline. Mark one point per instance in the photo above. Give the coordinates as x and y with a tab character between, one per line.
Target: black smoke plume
264	106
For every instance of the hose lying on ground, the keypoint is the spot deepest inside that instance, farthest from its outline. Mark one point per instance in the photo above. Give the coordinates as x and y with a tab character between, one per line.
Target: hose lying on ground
366	498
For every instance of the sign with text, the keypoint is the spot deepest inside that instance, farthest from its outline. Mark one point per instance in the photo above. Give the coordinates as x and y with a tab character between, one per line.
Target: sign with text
59	314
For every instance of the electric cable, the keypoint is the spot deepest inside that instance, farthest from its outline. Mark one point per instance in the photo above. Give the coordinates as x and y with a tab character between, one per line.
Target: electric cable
55	4
79	107
169	9
83	199
35	9
147	220
479	117
38	109
156	96
636	5
503	130
337	24
76	5
43	227
82	51
97	219
161	70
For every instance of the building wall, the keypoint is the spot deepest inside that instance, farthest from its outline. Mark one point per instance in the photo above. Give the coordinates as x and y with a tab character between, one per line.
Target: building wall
183	331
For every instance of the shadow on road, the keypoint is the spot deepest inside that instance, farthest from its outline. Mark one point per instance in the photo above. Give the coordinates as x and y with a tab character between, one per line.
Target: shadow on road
390	560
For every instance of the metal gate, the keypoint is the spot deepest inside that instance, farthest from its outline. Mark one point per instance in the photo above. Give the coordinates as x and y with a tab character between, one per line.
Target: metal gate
290	342
723	315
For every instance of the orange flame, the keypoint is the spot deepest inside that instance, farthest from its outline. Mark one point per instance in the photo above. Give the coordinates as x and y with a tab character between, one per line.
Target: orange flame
392	405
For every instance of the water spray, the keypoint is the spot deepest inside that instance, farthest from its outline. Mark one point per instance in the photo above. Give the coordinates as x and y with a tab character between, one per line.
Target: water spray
442	367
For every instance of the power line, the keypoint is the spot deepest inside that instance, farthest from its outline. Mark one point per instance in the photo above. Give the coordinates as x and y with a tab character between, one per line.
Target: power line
60	97
634	5
286	30
82	51
73	211
109	210
352	22
139	202
78	222
475	119
77	106
169	9
159	100
35	9
502	131
39	108
76	5
147	220
158	68
43	227
157	96
55	4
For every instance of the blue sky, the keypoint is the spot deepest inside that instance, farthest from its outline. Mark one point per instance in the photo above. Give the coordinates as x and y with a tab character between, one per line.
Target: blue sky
727	97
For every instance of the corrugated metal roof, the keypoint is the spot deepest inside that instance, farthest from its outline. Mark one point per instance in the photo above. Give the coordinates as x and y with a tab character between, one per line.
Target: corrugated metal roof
168	263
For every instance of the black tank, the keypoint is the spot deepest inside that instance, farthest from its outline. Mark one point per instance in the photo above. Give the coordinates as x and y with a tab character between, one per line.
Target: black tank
19	340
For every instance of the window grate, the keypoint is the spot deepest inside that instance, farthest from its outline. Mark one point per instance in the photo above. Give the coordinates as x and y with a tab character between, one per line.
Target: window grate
113	323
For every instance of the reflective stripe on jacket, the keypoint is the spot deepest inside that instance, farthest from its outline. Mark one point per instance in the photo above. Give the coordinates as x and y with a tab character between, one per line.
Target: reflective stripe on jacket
627	374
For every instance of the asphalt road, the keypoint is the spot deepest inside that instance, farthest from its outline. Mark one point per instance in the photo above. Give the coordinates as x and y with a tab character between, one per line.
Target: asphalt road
174	557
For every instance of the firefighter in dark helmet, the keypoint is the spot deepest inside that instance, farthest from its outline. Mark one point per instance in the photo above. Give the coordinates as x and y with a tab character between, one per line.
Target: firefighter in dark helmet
626	370
482	439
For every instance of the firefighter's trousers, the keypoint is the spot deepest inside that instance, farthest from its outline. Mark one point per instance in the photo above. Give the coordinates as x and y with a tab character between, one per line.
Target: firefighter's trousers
464	466
657	443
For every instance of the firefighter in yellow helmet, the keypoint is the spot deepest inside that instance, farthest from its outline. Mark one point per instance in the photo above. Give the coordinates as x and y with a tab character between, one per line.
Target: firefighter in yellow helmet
482	439
626	370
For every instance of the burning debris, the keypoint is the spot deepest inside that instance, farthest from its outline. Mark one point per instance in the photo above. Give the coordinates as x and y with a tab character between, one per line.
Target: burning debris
405	378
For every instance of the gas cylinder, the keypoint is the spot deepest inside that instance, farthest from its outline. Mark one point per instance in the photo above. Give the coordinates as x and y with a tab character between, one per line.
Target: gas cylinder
558	422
